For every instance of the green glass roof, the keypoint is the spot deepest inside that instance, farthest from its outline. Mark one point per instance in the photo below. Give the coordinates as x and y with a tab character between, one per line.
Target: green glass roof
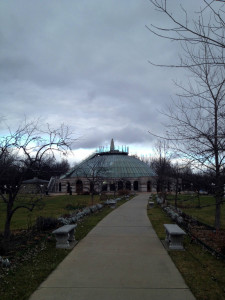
111	165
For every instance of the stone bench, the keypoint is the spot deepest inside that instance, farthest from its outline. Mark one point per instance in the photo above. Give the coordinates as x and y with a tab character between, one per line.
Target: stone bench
174	236
112	203
150	204
65	238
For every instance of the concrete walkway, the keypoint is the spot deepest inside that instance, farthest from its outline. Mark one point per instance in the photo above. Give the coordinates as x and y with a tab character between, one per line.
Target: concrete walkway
120	259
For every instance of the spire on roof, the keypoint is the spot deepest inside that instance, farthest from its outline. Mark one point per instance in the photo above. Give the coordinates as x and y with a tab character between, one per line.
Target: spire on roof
112	148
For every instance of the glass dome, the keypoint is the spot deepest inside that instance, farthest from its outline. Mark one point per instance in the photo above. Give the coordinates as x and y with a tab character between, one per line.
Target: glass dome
112	164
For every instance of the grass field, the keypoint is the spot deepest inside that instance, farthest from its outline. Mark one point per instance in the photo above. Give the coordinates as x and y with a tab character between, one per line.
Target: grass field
206	210
39	260
54	206
203	273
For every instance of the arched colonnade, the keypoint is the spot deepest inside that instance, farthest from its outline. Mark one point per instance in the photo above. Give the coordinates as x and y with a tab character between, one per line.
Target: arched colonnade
80	186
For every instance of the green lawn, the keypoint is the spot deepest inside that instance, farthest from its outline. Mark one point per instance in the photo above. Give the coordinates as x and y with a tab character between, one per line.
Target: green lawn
55	206
40	260
205	214
203	273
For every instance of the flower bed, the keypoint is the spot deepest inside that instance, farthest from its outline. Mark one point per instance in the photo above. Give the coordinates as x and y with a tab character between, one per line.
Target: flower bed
211	239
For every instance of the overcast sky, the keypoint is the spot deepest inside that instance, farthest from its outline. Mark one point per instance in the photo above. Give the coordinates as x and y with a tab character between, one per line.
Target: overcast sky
85	64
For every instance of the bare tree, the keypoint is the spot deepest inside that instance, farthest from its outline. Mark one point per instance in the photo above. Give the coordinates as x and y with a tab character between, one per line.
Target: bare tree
205	26
196	121
161	164
94	171
24	150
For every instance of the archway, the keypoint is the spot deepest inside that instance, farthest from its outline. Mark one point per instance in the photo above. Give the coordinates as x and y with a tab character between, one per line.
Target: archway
120	185
112	187
79	186
135	185
68	187
104	187
149	186
128	185
91	187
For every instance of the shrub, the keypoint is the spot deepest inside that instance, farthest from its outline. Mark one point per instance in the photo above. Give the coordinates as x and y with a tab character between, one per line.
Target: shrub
123	192
222	247
43	223
74	207
103	197
84	193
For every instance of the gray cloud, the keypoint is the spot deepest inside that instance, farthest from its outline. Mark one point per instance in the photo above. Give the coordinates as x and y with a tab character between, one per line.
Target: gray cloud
85	64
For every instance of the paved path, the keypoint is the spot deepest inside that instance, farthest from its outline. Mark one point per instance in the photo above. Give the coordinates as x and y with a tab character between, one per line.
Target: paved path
120	259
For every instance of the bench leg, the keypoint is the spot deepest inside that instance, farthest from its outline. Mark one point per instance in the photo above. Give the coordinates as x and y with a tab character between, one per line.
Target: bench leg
167	239
62	240
176	242
71	236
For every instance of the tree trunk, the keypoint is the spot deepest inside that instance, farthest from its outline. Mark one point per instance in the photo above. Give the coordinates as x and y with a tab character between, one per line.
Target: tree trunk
9	214
198	195
176	192
217	215
217	165
218	199
7	231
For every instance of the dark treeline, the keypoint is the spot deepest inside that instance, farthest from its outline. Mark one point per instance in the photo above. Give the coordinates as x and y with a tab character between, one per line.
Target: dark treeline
178	176
12	172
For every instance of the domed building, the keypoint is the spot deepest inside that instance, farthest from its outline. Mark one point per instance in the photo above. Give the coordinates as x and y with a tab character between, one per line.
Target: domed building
109	170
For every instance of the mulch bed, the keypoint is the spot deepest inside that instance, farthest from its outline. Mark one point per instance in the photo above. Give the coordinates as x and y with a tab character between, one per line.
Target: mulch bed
24	245
212	238
208	236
